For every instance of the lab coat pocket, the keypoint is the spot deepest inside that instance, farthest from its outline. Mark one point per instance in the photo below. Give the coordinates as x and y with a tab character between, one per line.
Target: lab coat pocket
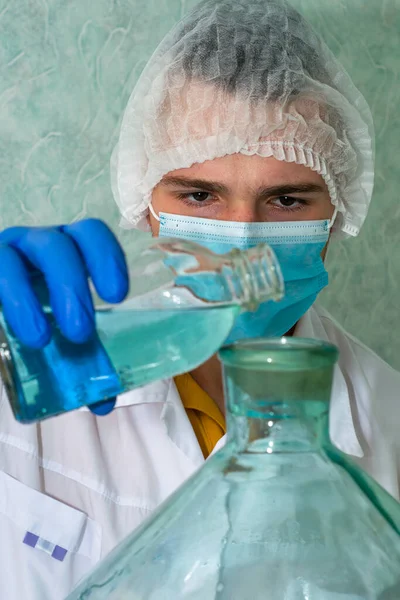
46	547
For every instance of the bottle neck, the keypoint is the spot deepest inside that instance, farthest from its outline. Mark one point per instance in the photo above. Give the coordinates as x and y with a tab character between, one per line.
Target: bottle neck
168	271
254	276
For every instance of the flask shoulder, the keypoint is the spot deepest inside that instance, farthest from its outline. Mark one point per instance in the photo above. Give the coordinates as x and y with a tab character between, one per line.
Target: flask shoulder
385	503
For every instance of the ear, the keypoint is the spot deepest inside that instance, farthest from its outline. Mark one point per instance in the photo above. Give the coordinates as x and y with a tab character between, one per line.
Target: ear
154	225
325	249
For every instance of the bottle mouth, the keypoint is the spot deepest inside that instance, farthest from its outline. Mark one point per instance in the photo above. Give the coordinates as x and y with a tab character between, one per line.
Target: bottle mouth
279	354
258	276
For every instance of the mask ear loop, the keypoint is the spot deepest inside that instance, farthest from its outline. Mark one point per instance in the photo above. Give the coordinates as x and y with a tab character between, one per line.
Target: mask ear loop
151	209
333	219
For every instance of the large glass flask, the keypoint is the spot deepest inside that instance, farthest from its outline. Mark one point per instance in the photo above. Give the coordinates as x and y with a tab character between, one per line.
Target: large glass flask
270	516
182	304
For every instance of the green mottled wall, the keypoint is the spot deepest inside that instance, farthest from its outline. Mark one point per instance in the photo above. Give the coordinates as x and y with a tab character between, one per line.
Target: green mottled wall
66	71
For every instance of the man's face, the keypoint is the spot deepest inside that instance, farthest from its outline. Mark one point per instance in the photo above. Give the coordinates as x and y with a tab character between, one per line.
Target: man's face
243	188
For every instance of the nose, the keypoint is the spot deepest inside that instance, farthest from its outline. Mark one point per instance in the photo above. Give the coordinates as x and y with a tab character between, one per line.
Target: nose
242	211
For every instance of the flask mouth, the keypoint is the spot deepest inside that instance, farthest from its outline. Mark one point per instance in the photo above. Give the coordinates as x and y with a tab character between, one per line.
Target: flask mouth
278	378
279	354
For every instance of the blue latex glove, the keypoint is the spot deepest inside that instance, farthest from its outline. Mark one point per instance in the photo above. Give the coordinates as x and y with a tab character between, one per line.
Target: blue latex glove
65	256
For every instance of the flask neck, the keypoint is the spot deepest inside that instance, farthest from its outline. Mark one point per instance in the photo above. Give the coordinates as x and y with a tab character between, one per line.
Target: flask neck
283	429
278	392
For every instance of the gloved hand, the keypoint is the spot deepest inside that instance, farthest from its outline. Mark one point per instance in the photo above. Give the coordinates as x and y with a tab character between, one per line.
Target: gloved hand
65	256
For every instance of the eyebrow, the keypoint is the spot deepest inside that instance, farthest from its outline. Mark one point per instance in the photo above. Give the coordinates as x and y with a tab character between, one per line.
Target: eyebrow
220	188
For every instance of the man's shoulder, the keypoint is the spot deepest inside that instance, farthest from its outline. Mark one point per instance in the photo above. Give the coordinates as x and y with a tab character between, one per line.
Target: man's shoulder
353	350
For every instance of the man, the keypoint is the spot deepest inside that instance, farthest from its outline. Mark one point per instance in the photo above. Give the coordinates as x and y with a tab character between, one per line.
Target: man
242	120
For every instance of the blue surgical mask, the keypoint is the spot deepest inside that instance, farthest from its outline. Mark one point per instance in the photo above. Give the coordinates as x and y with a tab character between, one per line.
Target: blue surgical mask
297	245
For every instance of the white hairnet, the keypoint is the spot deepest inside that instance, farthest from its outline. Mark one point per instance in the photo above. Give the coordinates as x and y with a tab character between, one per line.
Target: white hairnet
248	76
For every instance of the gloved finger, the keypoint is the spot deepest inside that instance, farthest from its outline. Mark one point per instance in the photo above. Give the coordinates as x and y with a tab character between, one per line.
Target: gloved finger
57	257
11	234
104	407
20	305
103	256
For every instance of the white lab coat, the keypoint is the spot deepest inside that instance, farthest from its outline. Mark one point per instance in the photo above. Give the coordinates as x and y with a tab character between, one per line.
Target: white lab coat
73	486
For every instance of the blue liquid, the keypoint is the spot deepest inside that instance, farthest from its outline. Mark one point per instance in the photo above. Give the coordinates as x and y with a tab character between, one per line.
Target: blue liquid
131	348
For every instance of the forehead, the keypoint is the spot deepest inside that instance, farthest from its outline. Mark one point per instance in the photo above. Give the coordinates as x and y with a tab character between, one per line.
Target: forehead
250	171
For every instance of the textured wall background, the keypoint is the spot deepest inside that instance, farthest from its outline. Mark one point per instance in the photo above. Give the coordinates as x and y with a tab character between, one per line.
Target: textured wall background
66	70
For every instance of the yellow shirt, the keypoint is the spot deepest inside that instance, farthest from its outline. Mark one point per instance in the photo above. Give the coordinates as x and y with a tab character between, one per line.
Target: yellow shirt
206	418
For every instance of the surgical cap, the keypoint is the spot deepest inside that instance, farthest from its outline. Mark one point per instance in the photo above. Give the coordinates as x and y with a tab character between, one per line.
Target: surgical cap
250	77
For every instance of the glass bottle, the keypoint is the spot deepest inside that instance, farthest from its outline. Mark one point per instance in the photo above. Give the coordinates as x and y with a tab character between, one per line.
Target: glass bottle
181	307
269	516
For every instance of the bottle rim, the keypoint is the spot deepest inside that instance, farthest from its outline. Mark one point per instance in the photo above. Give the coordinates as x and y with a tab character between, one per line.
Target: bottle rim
279	354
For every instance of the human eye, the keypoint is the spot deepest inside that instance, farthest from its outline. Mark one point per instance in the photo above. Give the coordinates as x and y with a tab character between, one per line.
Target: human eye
195	197
288	203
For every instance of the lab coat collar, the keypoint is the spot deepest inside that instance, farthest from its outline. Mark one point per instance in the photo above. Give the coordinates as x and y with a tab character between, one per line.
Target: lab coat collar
172	414
153	392
341	424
